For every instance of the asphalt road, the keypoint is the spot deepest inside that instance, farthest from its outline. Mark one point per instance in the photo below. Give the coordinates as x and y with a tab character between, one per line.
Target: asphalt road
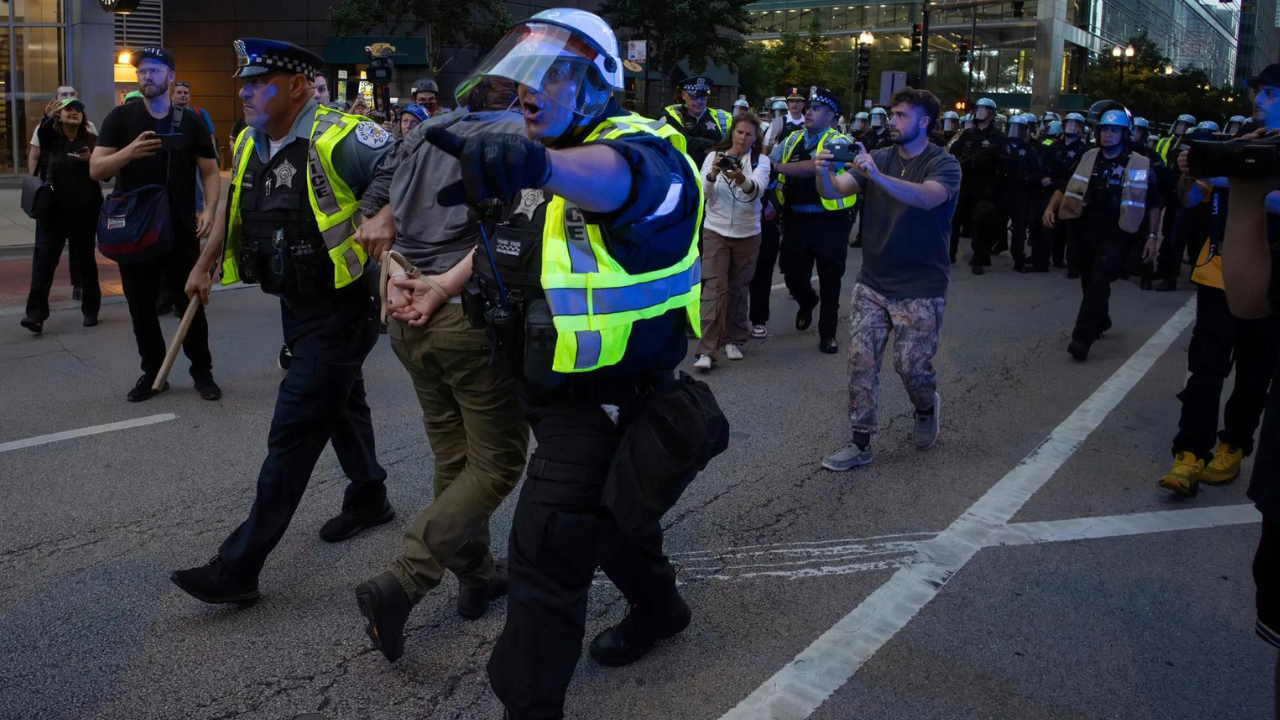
913	604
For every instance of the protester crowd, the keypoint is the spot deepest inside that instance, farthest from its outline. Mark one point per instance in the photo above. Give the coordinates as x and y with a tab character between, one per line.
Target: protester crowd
540	258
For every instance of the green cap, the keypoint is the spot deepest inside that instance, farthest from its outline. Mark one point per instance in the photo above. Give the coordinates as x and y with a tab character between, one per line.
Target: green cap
133	95
70	102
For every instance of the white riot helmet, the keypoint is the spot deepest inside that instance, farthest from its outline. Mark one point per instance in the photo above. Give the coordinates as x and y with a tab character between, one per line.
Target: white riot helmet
574	50
1074	124
860	122
950	121
879	118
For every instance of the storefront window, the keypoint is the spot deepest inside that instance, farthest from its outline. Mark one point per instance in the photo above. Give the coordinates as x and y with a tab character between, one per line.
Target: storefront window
32	66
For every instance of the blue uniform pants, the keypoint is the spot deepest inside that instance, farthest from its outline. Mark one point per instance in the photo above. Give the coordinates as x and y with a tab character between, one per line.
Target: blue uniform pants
321	400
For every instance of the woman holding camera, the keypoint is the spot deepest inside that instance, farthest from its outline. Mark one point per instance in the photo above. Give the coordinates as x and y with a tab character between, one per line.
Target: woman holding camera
735	175
66	143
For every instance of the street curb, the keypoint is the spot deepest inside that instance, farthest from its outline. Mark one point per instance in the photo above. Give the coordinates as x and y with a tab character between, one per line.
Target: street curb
113	300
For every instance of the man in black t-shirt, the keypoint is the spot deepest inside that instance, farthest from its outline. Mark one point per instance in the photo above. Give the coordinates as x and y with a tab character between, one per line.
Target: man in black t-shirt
129	151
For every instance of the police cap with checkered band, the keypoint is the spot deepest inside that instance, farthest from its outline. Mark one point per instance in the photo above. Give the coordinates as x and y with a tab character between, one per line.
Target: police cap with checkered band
256	56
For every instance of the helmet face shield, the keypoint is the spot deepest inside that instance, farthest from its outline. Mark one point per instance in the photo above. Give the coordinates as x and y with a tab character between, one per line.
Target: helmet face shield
950	124
1073	127
550	60
1180	127
1018	130
877	120
982	113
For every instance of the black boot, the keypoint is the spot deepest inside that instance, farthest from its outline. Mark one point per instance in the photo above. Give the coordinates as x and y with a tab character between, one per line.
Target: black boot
350	523
633	638
385	606
216	584
1079	350
474	598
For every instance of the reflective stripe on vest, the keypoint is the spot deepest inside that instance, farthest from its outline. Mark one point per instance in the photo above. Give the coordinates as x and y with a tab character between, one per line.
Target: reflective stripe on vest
593	300
1162	147
788	147
1133	190
332	202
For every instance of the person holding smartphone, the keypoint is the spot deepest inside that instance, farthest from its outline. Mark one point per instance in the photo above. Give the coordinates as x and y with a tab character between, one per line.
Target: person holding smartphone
67	143
147	143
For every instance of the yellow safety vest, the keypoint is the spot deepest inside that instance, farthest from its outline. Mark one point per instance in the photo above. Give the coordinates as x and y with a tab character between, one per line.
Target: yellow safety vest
332	201
593	300
1047	142
788	147
721	117
1133	190
1163	145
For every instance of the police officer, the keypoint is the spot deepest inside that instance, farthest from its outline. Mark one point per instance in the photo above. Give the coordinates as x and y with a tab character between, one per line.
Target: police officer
858	130
815	230
877	135
1179	220
1168	146
1142	137
1024	175
1059	158
298	171
701	126
623	202
1235	125
978	150
792	121
1110	192
949	128
741	108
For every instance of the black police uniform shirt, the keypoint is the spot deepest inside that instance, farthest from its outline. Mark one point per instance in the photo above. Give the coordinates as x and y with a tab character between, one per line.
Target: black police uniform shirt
652	230
1021	163
979	154
876	138
125	123
1102	199
1060	157
700	133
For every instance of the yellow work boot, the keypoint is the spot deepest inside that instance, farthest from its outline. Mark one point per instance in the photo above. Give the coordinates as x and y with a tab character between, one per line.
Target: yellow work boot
1225	465
1184	478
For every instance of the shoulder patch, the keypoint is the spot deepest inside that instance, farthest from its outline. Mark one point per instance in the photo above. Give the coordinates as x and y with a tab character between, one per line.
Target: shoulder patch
371	135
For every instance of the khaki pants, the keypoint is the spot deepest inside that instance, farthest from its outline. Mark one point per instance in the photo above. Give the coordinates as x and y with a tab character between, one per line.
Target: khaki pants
727	267
480	439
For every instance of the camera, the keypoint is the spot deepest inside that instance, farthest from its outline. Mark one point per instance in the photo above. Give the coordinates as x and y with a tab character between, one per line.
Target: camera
727	163
1245	159
381	68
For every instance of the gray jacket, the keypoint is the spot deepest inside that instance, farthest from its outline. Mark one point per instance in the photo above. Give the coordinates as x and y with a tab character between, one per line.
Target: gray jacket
432	237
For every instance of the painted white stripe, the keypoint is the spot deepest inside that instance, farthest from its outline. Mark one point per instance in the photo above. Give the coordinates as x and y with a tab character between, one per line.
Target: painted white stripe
1122	525
83	432
804	684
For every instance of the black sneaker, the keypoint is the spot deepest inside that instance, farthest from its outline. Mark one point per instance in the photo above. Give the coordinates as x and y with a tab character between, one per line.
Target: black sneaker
207	388
216	584
349	524
474	599
91	321
35	326
977	270
804	317
828	346
1079	350
142	390
385	606
286	357
633	638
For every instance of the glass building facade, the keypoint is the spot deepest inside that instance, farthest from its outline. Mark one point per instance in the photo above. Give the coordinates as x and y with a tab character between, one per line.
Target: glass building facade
1029	55
33	63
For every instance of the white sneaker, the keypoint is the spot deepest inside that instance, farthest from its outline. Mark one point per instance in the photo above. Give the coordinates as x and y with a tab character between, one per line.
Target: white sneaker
759	332
703	363
732	352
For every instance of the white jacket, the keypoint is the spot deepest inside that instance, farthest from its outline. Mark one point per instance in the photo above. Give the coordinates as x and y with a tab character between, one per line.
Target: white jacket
733	210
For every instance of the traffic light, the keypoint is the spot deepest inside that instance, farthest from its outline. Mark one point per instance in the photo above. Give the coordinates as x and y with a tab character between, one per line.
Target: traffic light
1017	8
917	37
961	106
962	52
864	66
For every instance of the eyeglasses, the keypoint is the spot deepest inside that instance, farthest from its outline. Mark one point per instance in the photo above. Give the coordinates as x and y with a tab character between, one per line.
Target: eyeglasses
144	72
183	84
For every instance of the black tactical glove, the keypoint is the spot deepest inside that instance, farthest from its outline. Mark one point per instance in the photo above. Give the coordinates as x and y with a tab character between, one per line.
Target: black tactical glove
495	166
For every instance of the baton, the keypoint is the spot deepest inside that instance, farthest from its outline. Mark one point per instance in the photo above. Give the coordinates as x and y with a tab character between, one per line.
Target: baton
192	306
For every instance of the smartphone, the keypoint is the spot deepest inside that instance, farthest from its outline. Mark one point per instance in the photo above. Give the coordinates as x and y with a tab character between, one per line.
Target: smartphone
844	153
169	141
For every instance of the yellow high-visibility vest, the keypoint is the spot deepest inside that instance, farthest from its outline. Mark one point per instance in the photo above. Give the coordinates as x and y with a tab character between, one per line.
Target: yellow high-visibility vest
722	118
334	206
789	146
594	302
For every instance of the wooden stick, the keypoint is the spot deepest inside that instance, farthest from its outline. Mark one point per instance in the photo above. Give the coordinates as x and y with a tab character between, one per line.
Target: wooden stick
193	305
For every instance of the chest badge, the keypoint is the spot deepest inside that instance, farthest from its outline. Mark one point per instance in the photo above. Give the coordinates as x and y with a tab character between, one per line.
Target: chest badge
529	202
1071	153
284	174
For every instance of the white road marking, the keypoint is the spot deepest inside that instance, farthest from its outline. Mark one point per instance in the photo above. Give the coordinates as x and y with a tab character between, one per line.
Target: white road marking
1121	525
804	684
83	432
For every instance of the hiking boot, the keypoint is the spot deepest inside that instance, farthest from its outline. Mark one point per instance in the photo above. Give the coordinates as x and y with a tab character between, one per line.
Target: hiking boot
927	426
386	607
474	598
1184	477
216	584
348	524
142	389
207	388
1224	468
633	638
848	457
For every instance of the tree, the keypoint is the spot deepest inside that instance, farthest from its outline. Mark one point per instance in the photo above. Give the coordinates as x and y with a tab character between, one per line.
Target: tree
764	68
700	31
448	23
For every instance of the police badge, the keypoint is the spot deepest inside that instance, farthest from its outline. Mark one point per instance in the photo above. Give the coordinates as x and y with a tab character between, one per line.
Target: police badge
242	54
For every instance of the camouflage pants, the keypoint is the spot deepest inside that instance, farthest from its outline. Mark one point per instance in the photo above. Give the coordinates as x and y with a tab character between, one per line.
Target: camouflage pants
916	324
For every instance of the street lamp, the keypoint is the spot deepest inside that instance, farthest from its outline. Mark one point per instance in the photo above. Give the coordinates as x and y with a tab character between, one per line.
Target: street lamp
1123	56
1168	69
862	62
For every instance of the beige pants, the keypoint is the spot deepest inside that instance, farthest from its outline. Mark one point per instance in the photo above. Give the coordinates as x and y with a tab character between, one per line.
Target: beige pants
727	267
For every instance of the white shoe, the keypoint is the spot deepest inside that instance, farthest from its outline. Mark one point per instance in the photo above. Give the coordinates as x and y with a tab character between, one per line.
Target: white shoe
759	332
732	352
703	363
